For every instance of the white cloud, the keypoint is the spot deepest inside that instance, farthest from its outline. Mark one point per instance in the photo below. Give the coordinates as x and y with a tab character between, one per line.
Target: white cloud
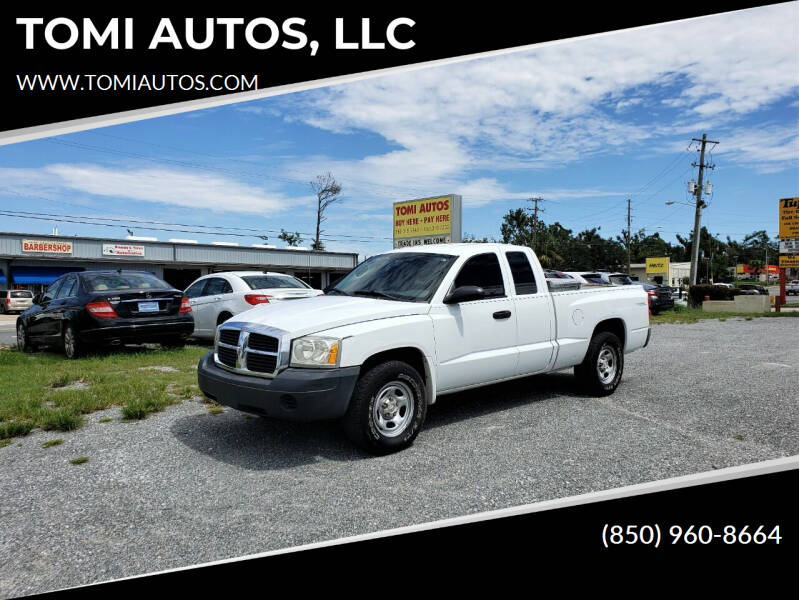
183	188
558	104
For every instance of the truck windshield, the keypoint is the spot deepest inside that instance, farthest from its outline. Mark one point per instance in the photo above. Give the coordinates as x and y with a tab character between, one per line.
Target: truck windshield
404	276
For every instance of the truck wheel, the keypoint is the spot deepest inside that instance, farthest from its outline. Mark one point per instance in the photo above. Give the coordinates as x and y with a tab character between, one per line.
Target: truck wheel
387	408
72	347
600	372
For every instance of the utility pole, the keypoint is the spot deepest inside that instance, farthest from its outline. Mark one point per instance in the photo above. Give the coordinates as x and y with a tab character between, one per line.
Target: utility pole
628	237
535	202
699	206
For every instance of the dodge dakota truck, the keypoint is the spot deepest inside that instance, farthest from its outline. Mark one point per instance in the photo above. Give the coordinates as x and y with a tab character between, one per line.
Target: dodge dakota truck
411	325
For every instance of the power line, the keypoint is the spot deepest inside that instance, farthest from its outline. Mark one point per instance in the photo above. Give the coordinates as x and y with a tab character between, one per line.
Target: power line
88	221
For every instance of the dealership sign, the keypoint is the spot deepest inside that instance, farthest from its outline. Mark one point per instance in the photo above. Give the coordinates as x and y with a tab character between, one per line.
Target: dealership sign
657	265
788	262
122	250
789	218
790	246
434	220
47	246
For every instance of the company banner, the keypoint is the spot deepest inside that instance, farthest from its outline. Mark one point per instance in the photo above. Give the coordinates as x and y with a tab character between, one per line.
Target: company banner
122	250
657	265
47	246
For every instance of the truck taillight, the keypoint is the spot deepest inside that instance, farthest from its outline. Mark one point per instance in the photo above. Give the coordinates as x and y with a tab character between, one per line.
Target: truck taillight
257	298
102	309
185	306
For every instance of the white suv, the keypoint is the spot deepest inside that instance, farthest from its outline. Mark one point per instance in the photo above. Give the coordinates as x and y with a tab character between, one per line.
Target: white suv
216	297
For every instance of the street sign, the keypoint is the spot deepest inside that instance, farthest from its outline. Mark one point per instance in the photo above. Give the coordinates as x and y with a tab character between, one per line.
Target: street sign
789	218
789	246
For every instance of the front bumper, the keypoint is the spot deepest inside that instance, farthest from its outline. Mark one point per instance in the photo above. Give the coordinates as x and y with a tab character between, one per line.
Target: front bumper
293	394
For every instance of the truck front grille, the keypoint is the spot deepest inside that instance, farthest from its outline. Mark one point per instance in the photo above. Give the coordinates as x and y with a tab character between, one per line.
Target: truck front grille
264	343
227	356
229	336
247	352
261	363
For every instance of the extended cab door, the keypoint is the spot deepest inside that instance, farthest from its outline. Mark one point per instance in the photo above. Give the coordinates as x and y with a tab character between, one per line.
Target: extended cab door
476	340
534	314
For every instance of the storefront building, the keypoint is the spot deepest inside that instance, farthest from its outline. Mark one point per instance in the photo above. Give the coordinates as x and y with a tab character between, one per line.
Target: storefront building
32	261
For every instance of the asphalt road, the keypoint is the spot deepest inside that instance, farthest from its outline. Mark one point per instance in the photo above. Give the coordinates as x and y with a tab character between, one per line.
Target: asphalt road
8	332
183	486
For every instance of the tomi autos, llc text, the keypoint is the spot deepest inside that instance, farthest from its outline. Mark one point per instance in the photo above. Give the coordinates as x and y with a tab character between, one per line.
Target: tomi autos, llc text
230	33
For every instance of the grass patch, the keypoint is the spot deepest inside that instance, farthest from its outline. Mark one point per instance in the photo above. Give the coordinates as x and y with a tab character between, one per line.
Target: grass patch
4	443
15	429
106	420
79	460
139	408
45	394
683	314
215	409
51	443
738	437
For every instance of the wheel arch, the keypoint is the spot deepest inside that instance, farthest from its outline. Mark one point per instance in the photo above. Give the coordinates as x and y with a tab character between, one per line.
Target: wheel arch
616	326
414	357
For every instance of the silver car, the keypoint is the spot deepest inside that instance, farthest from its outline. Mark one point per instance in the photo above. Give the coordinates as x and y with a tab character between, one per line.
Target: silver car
217	297
15	300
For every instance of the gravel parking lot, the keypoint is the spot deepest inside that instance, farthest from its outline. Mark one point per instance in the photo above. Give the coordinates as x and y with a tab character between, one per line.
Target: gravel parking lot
184	486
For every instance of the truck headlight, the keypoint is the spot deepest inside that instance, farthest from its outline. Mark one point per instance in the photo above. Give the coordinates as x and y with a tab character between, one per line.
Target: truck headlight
315	351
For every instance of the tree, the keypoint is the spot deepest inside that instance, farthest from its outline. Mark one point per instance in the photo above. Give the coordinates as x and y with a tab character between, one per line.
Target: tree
327	191
292	239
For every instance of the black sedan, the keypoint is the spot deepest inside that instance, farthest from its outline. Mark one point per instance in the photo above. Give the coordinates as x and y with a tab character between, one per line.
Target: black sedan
79	311
659	296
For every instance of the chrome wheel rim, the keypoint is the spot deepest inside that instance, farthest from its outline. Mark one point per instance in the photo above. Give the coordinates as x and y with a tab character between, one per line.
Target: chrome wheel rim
69	342
20	336
393	409
607	364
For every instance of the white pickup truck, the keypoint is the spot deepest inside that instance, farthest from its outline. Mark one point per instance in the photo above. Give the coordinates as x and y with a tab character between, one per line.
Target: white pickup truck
410	325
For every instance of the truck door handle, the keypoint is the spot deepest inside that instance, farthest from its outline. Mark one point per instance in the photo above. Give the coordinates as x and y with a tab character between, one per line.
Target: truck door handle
502	314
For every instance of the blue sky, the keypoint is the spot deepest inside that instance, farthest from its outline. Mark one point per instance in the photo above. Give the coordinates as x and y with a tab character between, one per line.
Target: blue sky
583	123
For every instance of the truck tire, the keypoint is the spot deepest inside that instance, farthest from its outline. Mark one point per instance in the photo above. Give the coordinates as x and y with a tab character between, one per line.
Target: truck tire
387	408
600	372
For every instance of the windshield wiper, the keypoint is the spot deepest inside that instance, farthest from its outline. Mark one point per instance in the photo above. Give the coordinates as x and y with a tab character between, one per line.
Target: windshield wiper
338	291
376	294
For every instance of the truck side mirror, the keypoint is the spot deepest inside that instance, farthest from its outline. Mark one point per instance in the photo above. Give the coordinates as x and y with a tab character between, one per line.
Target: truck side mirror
465	293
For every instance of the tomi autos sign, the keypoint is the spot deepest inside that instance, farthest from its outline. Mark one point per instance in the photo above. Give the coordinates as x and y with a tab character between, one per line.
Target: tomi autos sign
435	220
47	247
122	250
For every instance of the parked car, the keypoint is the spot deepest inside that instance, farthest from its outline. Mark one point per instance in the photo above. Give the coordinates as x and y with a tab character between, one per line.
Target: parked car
601	277
15	300
659	296
726	285
413	324
676	293
792	287
753	290
217	297
90	309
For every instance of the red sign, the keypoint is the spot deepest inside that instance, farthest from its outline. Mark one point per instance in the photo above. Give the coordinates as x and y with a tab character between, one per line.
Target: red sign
771	269
47	246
